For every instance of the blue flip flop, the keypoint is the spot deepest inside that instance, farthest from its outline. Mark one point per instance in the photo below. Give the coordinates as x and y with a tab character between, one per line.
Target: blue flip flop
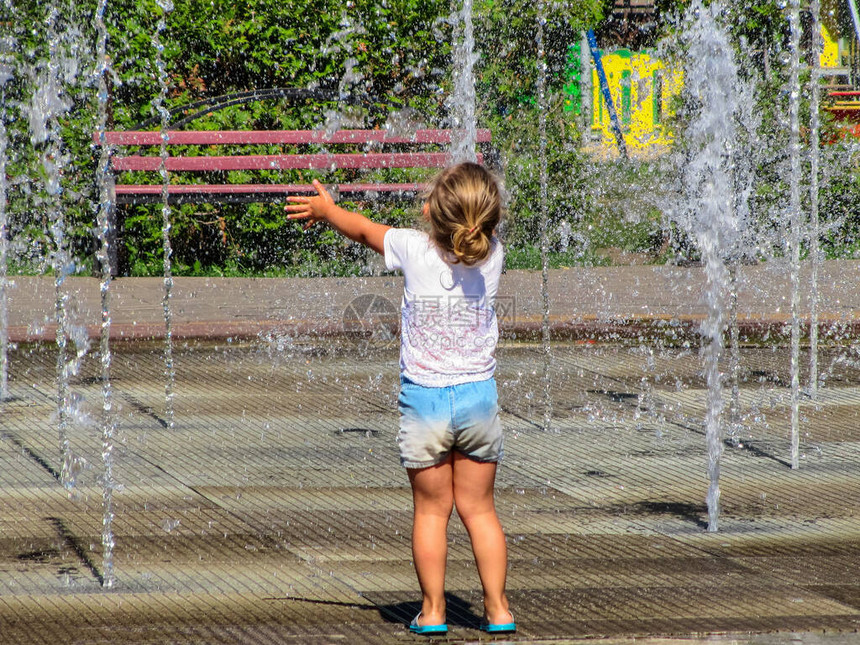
498	628
426	630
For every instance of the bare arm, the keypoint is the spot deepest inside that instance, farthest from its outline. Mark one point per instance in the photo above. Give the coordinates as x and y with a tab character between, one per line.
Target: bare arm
321	207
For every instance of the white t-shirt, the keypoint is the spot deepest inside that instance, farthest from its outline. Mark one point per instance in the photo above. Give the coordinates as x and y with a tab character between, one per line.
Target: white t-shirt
449	329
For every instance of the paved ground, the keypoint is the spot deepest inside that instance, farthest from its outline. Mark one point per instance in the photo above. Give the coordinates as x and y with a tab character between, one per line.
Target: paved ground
274	509
600	302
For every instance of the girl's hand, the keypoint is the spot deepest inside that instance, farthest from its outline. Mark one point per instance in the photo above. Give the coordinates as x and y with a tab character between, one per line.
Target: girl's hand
321	207
314	209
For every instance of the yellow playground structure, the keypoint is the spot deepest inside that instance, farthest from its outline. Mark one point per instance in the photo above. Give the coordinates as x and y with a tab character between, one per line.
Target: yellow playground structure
643	89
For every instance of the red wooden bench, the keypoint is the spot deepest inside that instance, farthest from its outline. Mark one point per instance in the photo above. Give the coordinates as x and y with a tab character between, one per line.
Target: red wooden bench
411	152
845	106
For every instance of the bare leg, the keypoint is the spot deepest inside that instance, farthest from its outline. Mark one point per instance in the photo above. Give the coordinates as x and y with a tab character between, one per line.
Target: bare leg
473	495
433	499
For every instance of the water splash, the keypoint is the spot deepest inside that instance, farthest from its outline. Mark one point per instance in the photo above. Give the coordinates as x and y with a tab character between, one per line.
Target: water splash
711	217
103	229
795	222
462	99
746	159
814	163
48	103
352	84
544	217
166	7
734	425
5	76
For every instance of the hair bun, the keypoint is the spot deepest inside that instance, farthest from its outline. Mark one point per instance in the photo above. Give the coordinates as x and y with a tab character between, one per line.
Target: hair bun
470	245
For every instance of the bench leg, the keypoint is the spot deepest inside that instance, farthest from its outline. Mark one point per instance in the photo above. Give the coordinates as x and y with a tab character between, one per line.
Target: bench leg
114	252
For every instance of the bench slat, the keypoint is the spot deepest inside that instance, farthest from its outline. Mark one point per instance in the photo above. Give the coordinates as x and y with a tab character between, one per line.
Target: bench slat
289	162
248	137
151	193
202	189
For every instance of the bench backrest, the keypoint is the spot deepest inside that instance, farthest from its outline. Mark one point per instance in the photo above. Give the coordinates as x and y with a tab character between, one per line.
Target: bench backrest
370	156
290	161
226	137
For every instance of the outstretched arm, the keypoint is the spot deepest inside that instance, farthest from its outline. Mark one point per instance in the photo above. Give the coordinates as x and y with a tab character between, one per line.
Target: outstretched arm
321	207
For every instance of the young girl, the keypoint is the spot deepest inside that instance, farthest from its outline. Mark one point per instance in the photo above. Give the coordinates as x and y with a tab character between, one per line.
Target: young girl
450	437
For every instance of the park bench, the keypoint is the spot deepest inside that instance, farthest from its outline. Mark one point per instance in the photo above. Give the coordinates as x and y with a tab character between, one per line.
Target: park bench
300	150
844	107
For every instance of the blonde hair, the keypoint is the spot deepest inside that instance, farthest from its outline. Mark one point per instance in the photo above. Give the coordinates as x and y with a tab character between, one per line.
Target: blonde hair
465	207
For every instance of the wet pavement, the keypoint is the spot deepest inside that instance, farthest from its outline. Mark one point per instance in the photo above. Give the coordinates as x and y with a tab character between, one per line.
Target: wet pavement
274	509
602	303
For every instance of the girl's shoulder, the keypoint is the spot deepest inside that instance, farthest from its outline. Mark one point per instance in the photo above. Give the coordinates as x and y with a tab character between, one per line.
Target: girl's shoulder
495	261
497	252
402	246
407	236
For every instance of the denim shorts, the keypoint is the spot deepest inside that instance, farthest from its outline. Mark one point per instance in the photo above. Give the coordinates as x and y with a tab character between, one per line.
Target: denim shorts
436	420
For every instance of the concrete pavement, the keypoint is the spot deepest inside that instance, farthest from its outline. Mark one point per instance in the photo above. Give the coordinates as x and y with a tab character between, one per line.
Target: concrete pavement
597	302
274	509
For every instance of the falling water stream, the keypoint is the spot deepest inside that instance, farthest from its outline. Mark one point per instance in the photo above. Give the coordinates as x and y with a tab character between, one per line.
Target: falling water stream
734	424
166	7
544	216
744	164
814	163
795	222
48	103
462	100
711	217
5	76
103	223
351	82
